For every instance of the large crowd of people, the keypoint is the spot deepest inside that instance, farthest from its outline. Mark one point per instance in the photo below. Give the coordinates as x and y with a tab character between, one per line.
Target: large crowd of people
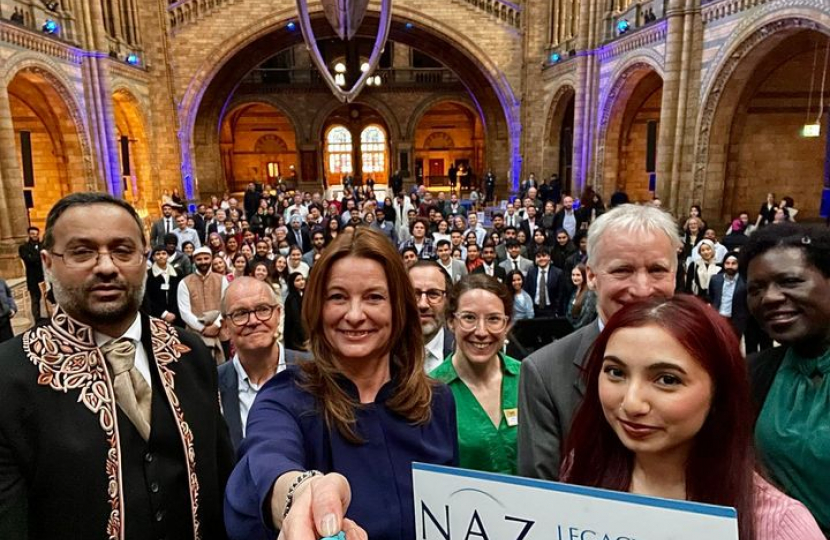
348	338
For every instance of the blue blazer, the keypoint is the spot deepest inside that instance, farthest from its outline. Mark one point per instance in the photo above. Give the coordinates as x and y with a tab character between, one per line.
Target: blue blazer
740	309
556	287
229	394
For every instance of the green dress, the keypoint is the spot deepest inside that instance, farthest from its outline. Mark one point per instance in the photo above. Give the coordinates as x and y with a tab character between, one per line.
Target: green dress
793	432
482	445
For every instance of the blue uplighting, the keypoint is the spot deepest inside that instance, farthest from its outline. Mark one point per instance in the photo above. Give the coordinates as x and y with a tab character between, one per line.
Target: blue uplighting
133	59
291	26
409	26
623	26
51	27
555	57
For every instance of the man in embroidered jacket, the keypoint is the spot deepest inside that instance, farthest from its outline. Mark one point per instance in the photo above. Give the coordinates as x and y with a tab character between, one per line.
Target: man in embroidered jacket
78	458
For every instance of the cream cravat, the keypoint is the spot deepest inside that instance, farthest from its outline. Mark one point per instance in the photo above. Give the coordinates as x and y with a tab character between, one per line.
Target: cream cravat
132	393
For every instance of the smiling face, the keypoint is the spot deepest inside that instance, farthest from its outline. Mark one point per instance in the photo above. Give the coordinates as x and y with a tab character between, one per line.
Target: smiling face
788	296
431	315
481	344
255	335
655	398
629	268
357	313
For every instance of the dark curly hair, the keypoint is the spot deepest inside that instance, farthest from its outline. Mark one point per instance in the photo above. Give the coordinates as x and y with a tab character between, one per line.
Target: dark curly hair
813	241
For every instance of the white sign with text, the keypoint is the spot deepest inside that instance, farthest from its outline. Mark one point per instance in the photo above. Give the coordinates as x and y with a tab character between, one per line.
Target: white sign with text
458	504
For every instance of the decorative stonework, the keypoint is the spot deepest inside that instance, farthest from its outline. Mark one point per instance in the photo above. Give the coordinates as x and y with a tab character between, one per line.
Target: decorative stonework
719	84
25	38
439	141
507	12
270	144
640	40
719	9
185	12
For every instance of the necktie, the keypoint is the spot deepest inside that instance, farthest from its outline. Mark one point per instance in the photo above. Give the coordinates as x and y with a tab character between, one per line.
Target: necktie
515	264
299	239
543	289
132	393
167	226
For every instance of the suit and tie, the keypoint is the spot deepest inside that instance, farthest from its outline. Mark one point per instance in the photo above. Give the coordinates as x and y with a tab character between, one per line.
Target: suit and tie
550	390
524	265
740	310
299	238
160	228
554	291
229	393
498	271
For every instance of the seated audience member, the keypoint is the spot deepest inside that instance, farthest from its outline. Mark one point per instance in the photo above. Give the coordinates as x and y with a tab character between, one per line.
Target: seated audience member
787	269
582	305
699	273
522	302
252	313
160	295
314	447
432	286
544	284
294	335
484	382
652	415
727	294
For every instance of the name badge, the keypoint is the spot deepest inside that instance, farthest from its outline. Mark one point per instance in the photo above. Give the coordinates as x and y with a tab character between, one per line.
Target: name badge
165	287
512	417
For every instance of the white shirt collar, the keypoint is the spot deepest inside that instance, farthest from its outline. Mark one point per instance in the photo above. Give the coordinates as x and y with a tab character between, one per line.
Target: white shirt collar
435	348
242	375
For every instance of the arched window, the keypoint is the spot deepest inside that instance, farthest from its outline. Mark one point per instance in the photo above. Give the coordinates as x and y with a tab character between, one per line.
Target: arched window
339	149
373	150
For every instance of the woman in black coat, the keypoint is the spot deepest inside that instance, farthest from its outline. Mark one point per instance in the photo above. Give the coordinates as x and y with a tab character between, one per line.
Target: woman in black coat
293	332
160	296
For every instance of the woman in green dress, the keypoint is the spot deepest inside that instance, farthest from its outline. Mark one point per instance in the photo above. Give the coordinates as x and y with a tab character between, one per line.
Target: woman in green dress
483	380
788	291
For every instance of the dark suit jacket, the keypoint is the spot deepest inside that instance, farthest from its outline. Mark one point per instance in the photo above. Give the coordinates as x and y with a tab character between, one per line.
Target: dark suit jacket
229	393
498	271
559	220
550	390
525	226
292	239
157	231
740	309
157	301
556	287
64	467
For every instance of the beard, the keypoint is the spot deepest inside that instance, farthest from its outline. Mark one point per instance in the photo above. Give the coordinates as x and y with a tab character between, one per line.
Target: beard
76	301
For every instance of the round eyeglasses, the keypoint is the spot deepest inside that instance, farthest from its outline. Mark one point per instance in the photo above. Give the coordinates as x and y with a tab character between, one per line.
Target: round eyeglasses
241	317
493	322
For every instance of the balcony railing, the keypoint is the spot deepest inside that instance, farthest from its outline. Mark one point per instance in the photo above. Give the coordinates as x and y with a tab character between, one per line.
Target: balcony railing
264	80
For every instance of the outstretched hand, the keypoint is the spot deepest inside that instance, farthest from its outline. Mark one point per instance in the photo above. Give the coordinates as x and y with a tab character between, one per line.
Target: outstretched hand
319	511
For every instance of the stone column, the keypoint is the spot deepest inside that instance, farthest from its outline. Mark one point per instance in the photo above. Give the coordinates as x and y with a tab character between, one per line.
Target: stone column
98	90
13	215
584	96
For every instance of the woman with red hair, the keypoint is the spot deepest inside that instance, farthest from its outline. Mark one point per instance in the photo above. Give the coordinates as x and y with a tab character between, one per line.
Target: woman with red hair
673	419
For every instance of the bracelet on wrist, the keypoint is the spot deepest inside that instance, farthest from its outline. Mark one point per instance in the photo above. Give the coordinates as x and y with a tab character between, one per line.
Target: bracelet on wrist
289	497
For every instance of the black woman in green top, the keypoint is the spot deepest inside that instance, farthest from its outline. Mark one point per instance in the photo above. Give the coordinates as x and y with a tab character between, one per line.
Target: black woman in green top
788	291
484	382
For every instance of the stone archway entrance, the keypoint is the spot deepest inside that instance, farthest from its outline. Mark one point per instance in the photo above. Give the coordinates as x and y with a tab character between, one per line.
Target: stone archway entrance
47	143
751	138
133	152
449	133
558	149
628	157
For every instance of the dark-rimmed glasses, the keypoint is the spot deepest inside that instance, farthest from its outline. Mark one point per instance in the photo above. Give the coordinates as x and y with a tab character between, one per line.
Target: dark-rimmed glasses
241	317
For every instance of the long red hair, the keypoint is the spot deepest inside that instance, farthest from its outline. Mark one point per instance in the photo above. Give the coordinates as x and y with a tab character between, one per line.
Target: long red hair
721	462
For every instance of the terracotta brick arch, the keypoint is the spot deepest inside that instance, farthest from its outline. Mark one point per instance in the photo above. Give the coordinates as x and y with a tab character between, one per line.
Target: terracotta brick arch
215	80
634	80
741	66
562	99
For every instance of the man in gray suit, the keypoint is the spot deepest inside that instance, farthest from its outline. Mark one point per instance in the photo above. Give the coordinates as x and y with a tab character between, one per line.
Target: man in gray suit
165	225
514	260
252	312
632	256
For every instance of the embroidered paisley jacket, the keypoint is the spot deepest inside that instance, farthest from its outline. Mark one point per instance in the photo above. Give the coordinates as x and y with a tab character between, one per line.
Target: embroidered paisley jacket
71	464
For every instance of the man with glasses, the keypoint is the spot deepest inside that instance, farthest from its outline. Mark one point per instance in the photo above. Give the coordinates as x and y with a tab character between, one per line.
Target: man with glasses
432	283
110	426
251	312
199	296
